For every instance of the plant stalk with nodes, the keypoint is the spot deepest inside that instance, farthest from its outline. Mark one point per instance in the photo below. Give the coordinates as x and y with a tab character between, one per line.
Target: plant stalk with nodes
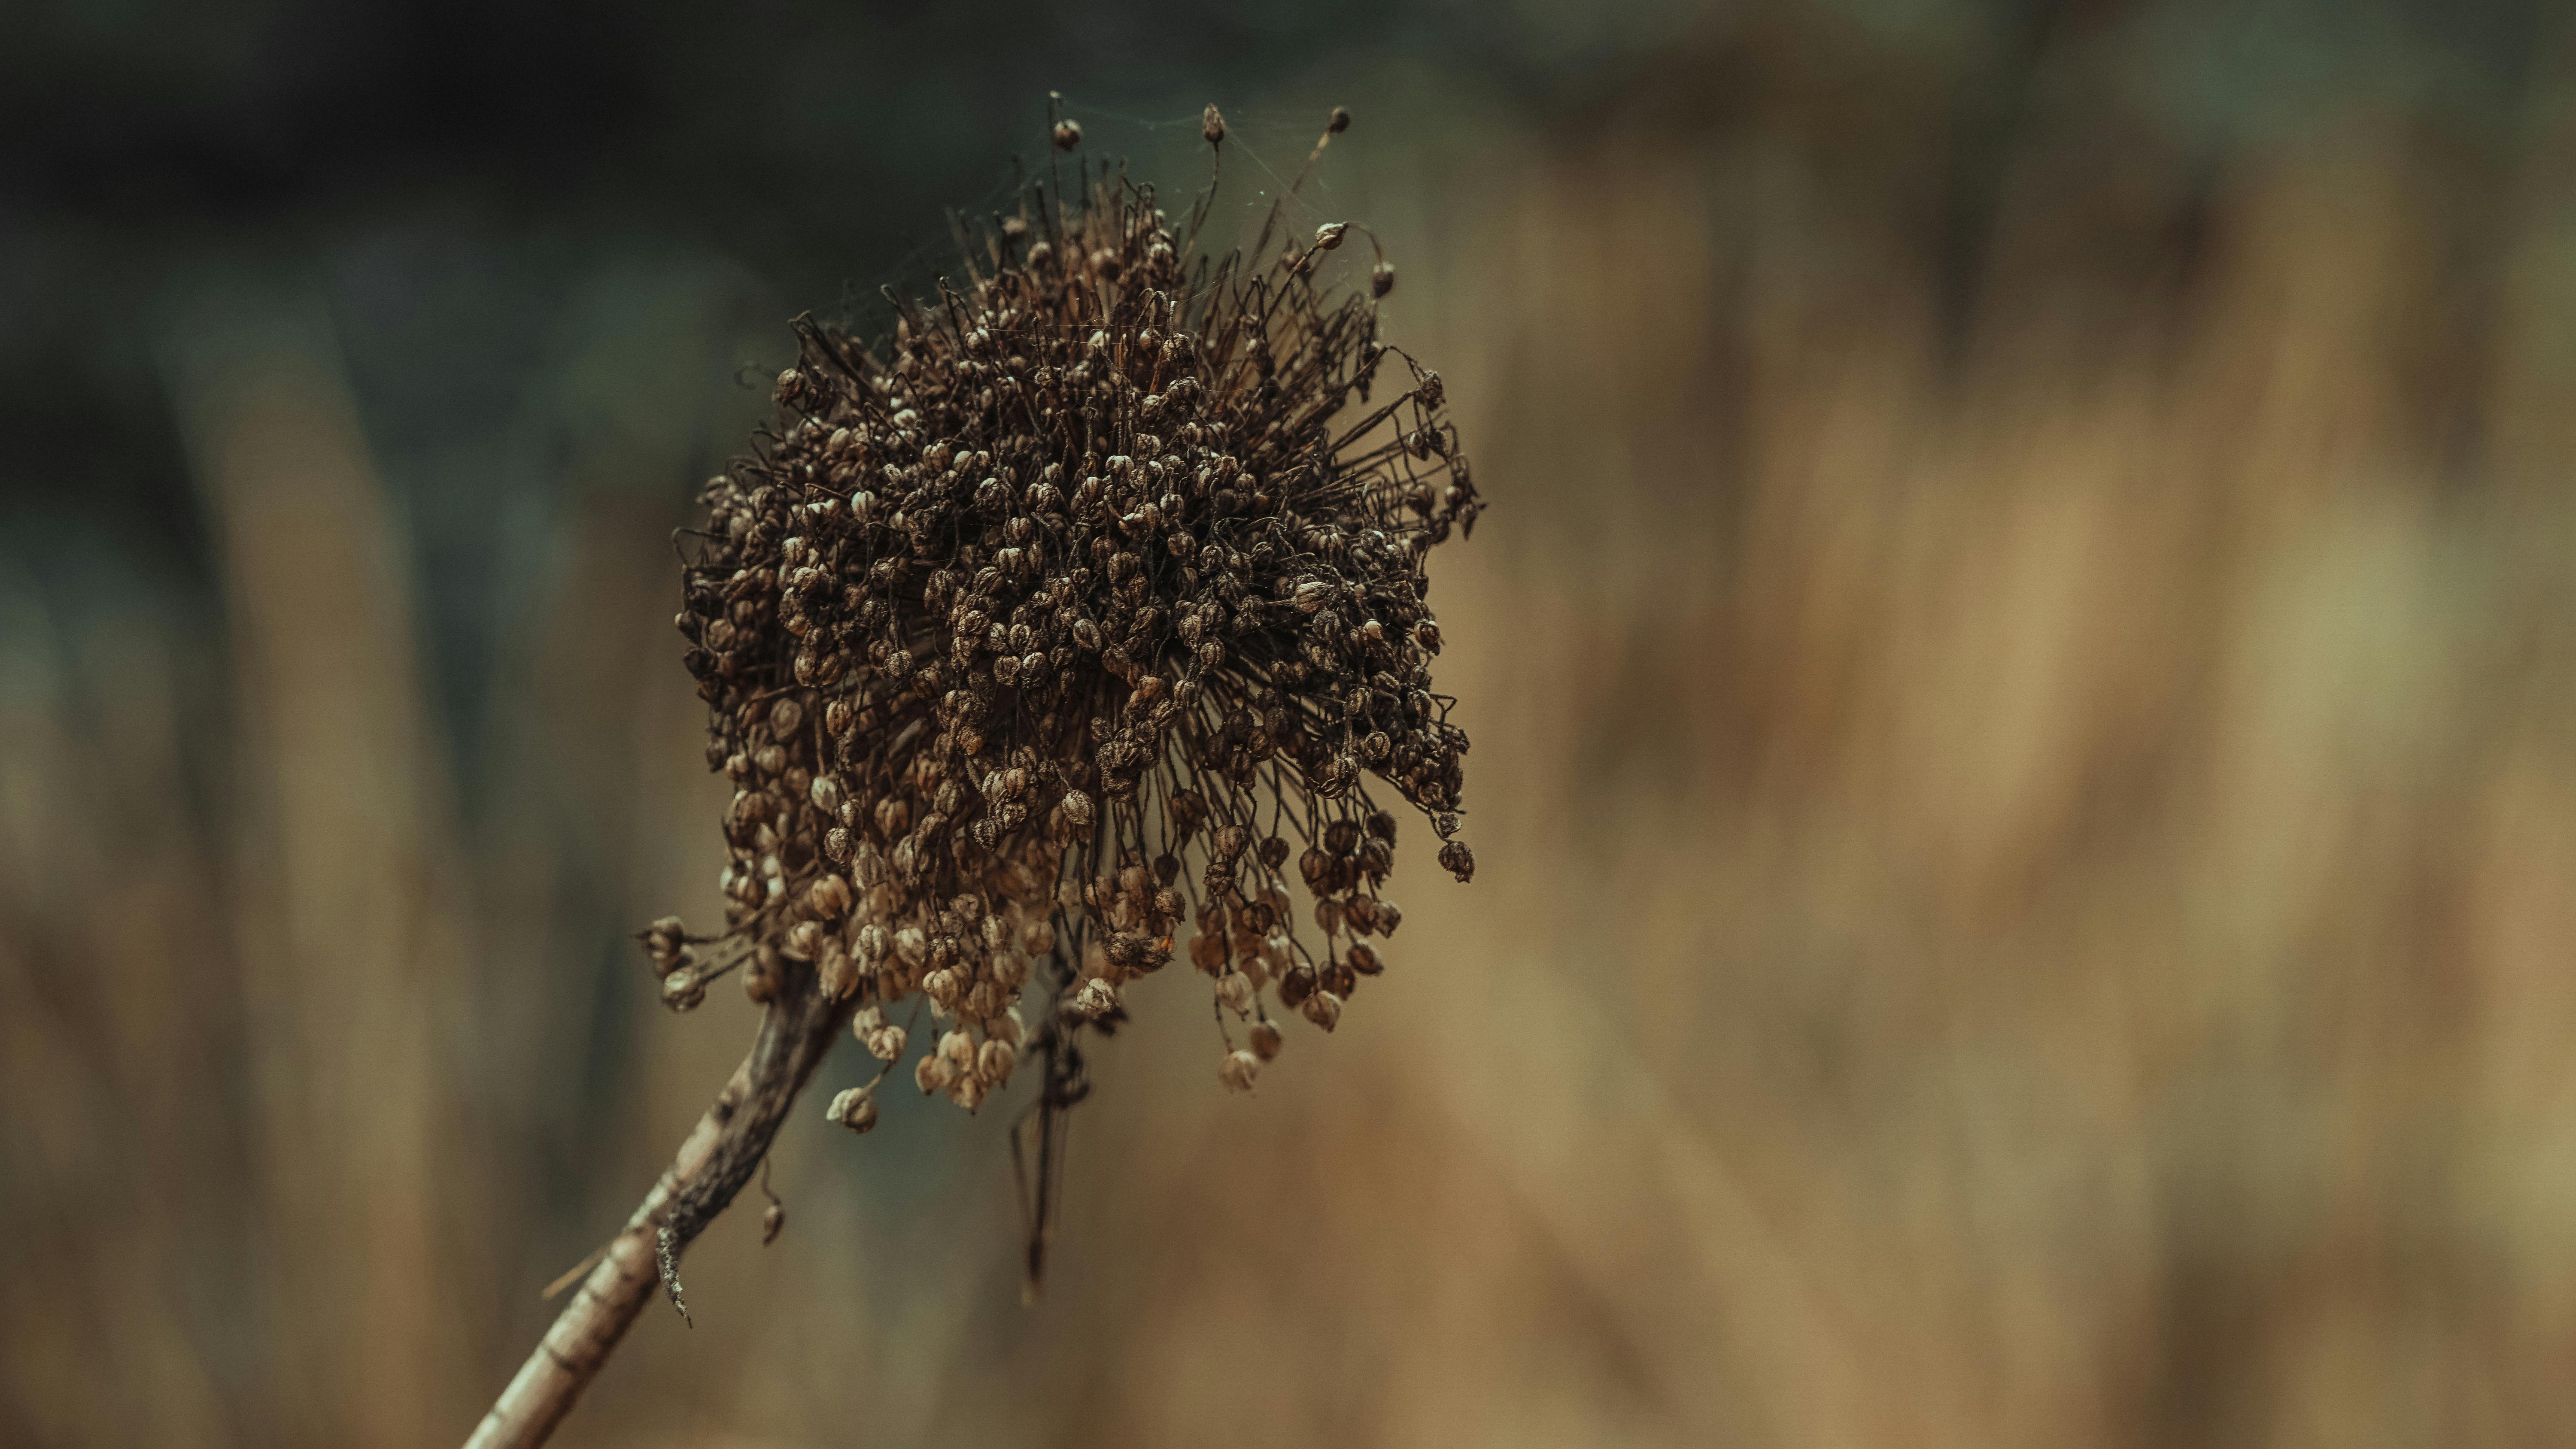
1067	614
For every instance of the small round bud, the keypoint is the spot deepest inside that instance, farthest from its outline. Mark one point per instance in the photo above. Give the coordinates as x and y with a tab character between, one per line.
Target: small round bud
1339	121
1329	235
1067	135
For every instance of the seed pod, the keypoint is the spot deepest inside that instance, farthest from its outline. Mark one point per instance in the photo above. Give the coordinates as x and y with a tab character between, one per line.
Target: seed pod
855	1109
932	1073
760	977
1096	999
682	991
1458	860
1265	1040
1235	990
1324	1009
804	940
837	973
1364	960
1296	986
830	897
1068	134
994	1061
1237	1070
1212	126
874	942
886	1043
943	988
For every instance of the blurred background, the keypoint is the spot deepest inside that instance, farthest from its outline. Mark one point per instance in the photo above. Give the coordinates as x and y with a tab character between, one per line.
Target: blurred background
2023	669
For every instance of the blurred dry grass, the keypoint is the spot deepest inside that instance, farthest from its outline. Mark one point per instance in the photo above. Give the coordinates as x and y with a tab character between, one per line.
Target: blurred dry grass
2028	883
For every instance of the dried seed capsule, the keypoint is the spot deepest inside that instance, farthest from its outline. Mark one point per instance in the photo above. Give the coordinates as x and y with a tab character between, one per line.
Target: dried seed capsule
1212	125
885	1043
994	1061
1324	1009
1235	990
855	1109
1296	987
932	1073
1265	1040
1097	998
1068	134
1458	860
837	973
760	977
1237	1070
1364	960
830	897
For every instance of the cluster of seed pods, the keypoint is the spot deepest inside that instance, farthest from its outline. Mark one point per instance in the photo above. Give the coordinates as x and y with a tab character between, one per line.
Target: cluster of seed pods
1061	619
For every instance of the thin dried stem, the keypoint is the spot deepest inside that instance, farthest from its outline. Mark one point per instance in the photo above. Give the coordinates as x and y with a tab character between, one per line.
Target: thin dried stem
719	1156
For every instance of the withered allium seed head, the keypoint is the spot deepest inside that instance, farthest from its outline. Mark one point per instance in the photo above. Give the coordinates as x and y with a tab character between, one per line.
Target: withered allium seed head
1073	609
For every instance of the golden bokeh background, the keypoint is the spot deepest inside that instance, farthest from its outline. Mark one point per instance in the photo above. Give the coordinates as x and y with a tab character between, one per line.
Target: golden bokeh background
2023	676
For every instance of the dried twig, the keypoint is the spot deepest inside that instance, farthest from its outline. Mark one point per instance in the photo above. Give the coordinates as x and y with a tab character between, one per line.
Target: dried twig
712	1165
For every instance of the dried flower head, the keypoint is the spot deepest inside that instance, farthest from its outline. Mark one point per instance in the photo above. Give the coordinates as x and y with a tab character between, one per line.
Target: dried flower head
1086	603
